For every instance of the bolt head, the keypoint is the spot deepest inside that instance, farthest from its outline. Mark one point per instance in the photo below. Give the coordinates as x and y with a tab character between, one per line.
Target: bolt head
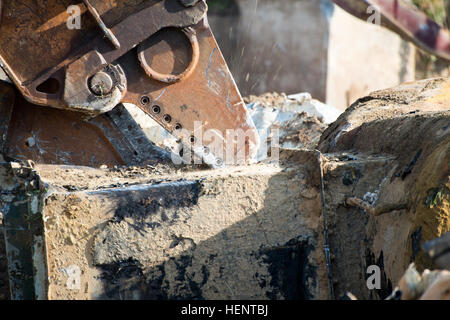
101	83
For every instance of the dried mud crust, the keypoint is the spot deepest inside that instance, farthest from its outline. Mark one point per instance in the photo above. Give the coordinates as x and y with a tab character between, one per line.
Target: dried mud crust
77	178
195	250
73	178
409	124
400	115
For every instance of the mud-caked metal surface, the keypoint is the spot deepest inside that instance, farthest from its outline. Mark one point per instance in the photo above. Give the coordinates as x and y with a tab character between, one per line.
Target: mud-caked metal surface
21	204
240	233
390	151
54	136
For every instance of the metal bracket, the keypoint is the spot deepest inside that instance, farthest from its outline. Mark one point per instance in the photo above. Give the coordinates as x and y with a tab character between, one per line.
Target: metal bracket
108	33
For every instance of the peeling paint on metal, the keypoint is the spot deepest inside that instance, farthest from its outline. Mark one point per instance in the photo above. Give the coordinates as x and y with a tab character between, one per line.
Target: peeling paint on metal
40	270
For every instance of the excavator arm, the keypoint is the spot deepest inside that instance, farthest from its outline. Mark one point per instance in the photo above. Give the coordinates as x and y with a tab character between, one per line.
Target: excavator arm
404	19
91	56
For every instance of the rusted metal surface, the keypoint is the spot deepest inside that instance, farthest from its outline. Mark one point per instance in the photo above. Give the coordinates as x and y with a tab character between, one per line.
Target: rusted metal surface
21	202
53	136
181	75
50	135
106	30
36	44
405	19
34	38
170	78
80	97
208	97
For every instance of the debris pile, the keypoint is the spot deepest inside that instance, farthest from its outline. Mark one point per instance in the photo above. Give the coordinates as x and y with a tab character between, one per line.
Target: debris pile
295	121
290	122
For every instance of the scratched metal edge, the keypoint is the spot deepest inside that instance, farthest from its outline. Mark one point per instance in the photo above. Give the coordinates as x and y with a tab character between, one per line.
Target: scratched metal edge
28	88
24	233
7	99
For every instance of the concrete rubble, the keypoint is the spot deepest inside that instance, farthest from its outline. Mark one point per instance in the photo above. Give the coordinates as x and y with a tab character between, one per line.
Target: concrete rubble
296	121
299	119
366	189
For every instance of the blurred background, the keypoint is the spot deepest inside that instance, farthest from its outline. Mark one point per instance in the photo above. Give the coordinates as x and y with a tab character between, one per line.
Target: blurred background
292	46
